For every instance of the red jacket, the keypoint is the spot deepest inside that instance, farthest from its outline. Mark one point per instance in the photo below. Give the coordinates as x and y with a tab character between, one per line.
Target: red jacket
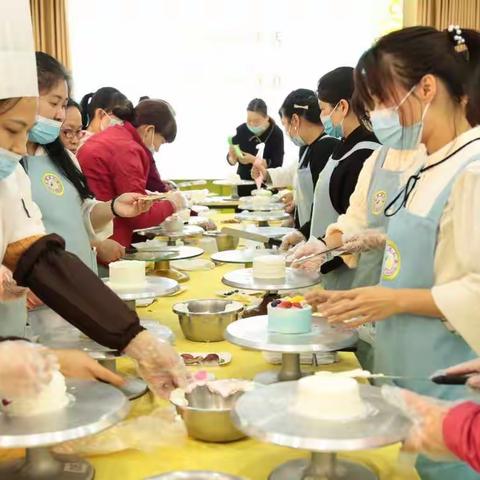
116	161
461	432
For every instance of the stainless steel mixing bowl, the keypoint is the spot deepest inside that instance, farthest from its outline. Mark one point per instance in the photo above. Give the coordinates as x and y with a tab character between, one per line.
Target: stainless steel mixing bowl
207	320
224	241
207	416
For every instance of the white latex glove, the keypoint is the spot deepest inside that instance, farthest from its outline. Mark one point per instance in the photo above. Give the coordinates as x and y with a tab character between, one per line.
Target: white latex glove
364	241
259	170
9	290
177	199
25	368
312	247
427	416
291	240
158	364
471	367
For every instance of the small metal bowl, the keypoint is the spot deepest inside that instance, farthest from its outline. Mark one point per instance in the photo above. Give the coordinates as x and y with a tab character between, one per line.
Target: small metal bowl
207	416
207	320
223	240
194	475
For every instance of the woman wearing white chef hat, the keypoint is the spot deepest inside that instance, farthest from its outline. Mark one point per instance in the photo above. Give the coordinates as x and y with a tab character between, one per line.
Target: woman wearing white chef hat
39	261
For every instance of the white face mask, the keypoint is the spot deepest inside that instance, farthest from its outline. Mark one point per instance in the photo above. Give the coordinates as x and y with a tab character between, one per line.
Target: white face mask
112	121
152	144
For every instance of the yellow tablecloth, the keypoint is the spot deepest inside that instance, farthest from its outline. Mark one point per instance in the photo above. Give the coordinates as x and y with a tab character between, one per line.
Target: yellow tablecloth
249	458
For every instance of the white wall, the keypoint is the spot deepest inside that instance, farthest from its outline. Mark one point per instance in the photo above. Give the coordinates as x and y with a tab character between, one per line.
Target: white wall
208	58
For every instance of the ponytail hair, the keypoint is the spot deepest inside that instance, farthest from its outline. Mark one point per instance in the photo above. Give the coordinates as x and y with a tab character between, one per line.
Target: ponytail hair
302	102
158	113
61	158
106	98
405	56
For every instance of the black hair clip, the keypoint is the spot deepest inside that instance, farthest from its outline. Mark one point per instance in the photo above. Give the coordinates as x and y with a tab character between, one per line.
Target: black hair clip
460	46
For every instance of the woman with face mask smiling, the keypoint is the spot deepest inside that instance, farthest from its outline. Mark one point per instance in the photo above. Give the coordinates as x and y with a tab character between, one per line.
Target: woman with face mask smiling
300	116
339	177
414	82
118	160
259	128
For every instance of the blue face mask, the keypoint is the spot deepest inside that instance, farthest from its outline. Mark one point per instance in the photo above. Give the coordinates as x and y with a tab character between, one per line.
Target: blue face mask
297	140
257	130
8	162
390	132
331	129
44	131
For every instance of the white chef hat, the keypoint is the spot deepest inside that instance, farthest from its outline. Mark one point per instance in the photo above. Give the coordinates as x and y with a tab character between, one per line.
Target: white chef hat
18	71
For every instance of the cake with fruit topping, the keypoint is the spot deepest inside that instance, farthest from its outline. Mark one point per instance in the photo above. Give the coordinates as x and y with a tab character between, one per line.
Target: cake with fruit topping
289	315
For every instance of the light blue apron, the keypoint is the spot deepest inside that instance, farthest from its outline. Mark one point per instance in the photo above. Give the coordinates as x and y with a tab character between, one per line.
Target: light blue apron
13	318
412	345
384	184
324	214
61	208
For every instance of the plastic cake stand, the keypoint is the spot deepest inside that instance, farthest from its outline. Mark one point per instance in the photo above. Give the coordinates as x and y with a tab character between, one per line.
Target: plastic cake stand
96	406
266	414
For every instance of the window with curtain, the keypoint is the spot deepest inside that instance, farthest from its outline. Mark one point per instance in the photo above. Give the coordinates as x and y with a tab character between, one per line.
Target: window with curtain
209	58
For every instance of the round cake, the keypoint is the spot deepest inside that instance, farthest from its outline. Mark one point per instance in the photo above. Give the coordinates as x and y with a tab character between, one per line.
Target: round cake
234	178
326	396
127	274
269	267
51	398
260	201
172	224
290	316
262	192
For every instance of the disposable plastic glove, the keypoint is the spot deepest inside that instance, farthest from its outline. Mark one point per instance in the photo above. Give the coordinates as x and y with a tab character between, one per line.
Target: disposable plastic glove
177	199
312	247
427	416
9	290
291	240
471	367
259	169
25	368
363	241
158	364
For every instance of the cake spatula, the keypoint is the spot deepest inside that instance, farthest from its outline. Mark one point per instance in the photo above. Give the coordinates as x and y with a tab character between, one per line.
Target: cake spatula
236	232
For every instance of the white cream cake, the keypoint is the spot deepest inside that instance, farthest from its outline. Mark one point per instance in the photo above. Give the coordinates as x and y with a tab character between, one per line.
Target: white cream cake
51	398
234	178
127	274
269	266
327	396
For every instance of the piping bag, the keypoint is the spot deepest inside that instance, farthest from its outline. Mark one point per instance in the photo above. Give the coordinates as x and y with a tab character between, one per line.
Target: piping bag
258	162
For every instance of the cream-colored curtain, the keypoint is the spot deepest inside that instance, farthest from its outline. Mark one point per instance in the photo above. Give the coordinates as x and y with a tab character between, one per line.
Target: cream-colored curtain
50	29
442	13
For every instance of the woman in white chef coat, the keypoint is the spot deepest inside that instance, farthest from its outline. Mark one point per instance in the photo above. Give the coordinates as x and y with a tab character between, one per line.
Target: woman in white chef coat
414	83
300	116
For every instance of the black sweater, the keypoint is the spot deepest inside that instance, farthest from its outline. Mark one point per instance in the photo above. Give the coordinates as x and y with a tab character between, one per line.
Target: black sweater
247	141
316	158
